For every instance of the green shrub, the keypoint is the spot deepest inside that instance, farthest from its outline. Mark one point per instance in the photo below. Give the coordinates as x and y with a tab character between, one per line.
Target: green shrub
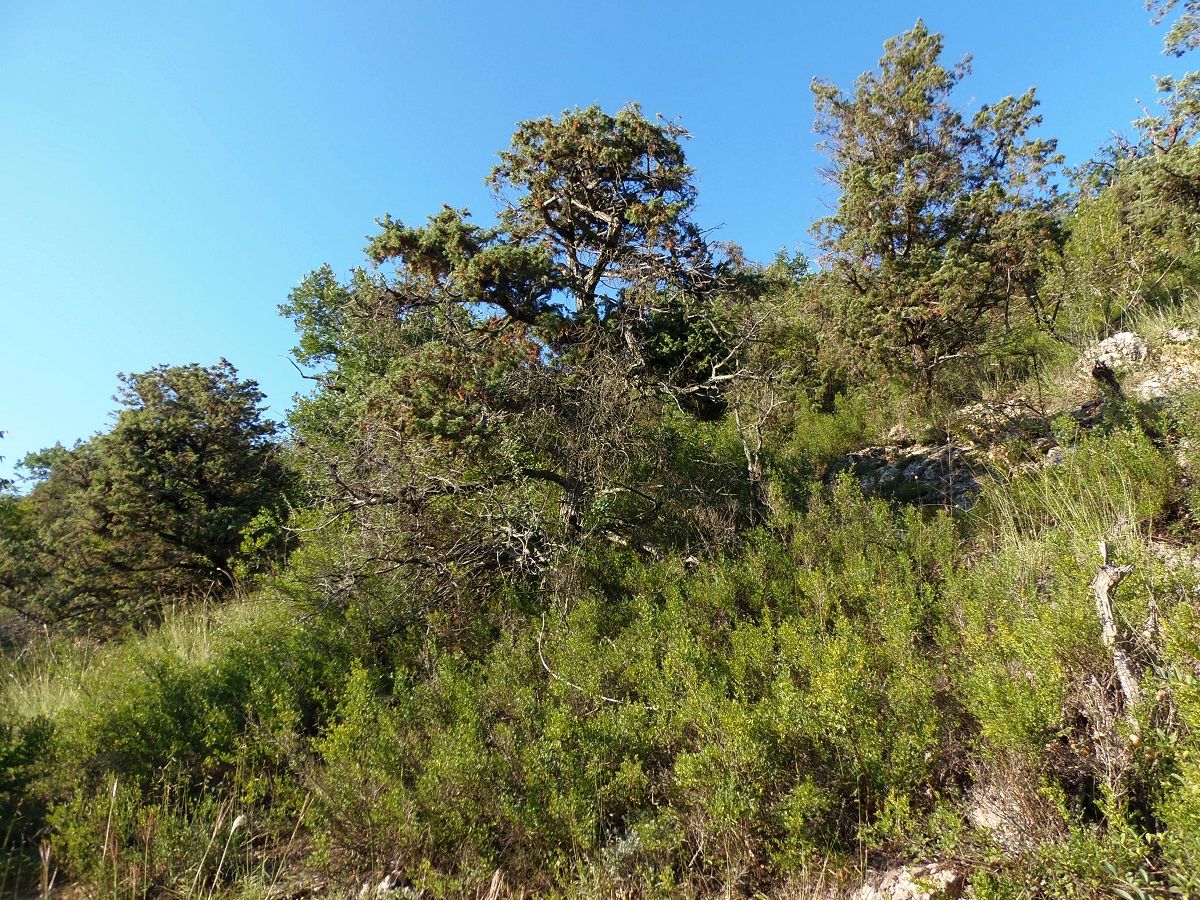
24	748
154	730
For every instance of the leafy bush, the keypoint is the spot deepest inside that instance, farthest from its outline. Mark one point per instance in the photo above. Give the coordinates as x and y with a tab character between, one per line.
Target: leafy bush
166	734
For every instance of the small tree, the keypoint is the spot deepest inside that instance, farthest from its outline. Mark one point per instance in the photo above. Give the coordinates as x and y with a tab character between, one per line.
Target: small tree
493	395
942	223
154	509
1134	229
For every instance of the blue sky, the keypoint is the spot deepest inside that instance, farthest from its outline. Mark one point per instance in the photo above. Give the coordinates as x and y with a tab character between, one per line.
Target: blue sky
168	171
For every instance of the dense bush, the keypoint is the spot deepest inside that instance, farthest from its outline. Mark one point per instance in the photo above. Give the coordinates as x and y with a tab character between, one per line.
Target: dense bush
157	510
584	596
162	737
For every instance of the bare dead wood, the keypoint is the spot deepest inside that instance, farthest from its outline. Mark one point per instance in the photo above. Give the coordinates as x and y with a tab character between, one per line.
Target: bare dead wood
1103	587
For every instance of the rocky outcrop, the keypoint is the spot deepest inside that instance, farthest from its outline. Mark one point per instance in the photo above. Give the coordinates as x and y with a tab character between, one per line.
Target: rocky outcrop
1120	351
989	422
944	474
1176	557
928	881
1006	802
1172	369
983	435
1172	377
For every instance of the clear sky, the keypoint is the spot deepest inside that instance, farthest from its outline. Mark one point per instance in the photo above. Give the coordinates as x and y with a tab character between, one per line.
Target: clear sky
169	170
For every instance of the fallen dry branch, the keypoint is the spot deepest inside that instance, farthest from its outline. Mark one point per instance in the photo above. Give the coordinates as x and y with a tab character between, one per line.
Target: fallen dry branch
1104	586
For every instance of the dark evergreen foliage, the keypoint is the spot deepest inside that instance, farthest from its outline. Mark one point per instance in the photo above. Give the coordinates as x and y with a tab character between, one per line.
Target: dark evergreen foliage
153	511
944	226
601	561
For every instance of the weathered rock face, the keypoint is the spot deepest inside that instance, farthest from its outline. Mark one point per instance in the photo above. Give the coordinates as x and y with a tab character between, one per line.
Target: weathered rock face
1174	369
392	886
1172	377
1122	350
1006	802
944	474
950	473
930	881
1176	557
995	421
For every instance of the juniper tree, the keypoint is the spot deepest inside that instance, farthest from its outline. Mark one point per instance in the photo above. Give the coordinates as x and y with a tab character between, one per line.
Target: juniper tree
153	510
493	394
1134	227
942	222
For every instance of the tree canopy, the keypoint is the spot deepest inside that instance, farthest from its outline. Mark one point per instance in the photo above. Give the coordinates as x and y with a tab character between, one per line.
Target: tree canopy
942	223
492	395
153	509
1184	33
602	561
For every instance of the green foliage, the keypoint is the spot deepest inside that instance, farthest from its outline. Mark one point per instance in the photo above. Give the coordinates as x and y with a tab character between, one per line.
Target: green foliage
168	736
1134	235
496	397
1134	244
778	706
150	510
579	603
24	750
1025	623
1184	34
943	225
126	844
1107	481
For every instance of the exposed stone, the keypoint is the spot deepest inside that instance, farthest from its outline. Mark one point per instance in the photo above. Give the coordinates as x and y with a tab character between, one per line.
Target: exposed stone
1174	556
989	421
1172	377
1013	436
898	434
390	886
1123	350
939	474
1089	412
1006	803
1184	451
929	881
1055	456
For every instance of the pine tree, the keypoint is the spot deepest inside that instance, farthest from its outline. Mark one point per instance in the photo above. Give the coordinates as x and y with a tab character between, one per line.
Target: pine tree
942	222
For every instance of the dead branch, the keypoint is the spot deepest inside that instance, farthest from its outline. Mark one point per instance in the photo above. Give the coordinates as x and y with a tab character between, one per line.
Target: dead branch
1103	586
